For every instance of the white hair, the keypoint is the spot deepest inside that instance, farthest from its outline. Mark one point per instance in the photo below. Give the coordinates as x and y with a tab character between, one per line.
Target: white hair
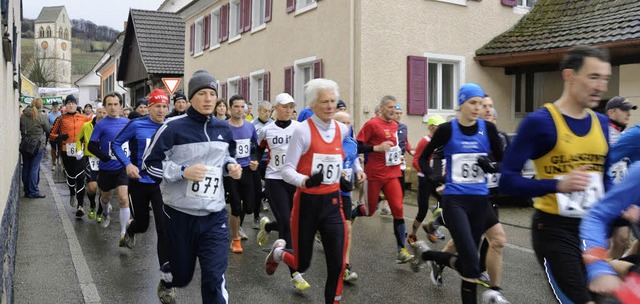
263	104
314	86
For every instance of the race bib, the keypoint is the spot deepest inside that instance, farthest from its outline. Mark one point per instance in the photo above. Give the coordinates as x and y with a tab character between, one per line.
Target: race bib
277	158
209	188
125	148
243	148
71	149
618	171
329	164
348	173
577	204
94	163
465	169
392	156
492	180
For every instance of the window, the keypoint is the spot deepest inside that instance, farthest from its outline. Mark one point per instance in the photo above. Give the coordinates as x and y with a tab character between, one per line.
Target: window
527	92
48	32
107	85
458	2
41	33
301	4
259	86
215	29
305	70
233	87
60	33
198	43
235	21
444	76
258	13
66	34
526	3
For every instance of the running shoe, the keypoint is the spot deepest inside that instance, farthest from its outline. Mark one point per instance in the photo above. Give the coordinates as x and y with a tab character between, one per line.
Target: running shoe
385	211
129	240
432	232
484	278
166	295
493	297
79	212
272	261
106	218
436	273
243	236
404	256
98	218
256	224
418	248
412	239
73	201
349	275
92	213
236	246
263	234
299	283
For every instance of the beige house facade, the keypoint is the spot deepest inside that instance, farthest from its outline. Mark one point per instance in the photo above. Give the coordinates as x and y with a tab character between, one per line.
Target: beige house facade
259	48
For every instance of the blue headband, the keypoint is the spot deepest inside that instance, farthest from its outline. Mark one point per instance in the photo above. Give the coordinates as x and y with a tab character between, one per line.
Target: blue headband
468	91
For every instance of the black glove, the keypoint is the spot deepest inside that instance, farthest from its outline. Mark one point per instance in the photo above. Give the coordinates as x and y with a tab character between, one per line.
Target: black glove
62	137
345	185
315	180
487	165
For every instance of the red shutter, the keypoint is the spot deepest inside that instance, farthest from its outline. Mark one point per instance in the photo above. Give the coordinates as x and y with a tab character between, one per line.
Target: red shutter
206	31
267	10
224	22
220	23
417	85
288	80
318	69
509	2
291	6
245	88
192	36
266	86
223	89
246	9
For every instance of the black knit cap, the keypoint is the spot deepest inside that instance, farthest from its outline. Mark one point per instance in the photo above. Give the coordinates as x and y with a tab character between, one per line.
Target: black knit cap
201	80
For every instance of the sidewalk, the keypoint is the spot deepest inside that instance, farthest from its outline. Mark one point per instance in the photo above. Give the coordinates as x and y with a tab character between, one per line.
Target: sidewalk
49	258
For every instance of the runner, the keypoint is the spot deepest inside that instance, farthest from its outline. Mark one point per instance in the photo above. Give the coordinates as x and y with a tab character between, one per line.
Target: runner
567	142
275	138
263	119
91	162
189	154
379	138
313	164
180	105
111	173
52	116
241	193
65	130
143	190
352	172
465	204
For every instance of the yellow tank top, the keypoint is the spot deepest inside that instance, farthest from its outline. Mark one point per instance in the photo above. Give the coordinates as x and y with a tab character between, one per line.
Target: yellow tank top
570	152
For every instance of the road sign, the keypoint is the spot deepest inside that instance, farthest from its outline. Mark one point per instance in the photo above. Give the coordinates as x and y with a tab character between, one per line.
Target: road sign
171	84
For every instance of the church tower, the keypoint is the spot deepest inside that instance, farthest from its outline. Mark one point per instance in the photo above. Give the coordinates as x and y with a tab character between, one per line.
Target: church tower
53	44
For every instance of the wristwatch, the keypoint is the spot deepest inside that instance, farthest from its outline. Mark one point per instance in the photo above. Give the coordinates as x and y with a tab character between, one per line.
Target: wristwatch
182	170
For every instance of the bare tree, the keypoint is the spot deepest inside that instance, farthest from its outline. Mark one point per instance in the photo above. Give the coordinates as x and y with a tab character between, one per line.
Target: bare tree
40	73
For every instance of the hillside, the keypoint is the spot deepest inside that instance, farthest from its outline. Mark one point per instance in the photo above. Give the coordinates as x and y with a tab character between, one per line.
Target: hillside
88	42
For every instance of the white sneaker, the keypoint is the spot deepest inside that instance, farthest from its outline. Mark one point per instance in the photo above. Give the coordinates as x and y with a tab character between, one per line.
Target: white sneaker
243	236
493	297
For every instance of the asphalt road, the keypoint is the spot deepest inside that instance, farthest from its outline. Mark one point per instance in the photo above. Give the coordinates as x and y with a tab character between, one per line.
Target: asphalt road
64	260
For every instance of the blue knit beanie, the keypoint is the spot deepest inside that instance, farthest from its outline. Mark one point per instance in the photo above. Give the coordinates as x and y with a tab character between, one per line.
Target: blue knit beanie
468	91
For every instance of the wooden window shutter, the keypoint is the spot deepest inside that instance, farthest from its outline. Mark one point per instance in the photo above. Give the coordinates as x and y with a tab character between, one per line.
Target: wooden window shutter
247	15
245	88
224	20
509	2
266	86
242	13
192	38
417	85
223	91
288	80
268	4
206	31
318	69
291	6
